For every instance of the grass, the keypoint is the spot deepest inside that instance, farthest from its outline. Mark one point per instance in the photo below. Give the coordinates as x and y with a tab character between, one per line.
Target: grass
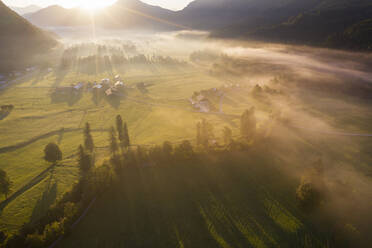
236	202
35	115
232	202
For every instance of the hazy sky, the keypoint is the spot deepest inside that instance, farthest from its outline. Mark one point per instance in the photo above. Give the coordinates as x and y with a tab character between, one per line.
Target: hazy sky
170	4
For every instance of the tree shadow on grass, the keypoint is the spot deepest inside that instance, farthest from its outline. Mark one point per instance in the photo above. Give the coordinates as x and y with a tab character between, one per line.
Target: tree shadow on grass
3	115
43	204
41	74
26	187
60	136
60	75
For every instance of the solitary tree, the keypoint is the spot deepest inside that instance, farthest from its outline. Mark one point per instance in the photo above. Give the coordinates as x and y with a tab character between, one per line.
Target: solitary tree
248	123
204	133
52	153
113	142
88	139
167	149
227	135
126	136
5	184
184	150
84	160
308	196
119	128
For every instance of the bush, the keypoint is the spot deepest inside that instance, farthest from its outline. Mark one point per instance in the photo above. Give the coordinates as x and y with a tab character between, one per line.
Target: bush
53	231
35	240
52	153
308	196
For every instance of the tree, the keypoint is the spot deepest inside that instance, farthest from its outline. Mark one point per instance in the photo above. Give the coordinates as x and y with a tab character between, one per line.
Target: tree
204	133
167	149
126	136
5	184
84	161
248	123
184	150
198	134
227	135
120	129
52	153
113	142
308	196
88	139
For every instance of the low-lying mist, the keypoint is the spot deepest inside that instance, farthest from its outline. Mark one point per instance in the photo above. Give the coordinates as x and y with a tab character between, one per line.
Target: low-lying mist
324	101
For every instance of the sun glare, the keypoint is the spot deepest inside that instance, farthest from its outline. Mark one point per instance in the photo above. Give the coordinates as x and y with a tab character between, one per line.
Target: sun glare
93	5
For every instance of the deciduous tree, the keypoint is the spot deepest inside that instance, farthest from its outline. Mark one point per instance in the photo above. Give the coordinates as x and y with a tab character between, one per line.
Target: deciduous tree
52	153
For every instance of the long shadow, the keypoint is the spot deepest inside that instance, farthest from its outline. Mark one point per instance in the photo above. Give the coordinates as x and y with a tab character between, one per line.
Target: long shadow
60	75
43	204
4	115
28	186
39	76
60	137
71	97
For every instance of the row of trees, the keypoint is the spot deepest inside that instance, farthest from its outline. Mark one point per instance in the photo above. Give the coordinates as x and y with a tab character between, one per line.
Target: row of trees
95	180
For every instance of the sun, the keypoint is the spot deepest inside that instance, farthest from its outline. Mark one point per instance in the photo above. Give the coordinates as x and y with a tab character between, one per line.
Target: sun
93	5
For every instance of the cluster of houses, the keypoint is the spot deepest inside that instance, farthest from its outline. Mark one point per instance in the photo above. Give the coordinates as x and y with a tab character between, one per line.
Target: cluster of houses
201	103
109	89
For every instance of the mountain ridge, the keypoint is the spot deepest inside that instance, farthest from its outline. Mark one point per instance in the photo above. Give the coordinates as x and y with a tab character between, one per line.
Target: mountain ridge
21	39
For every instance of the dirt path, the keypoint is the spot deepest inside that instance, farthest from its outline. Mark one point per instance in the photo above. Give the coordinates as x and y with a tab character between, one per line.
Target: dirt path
28	186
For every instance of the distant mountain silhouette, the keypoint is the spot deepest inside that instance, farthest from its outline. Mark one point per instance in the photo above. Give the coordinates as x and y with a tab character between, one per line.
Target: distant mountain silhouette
19	40
128	14
26	10
313	22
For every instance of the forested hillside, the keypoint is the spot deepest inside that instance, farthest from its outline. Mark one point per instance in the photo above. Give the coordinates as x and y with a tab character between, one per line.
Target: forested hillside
340	24
19	40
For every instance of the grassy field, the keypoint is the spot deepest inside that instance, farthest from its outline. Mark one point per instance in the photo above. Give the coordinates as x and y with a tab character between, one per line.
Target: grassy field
161	114
246	200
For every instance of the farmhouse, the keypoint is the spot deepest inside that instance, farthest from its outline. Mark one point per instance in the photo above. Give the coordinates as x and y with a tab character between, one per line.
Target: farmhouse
79	86
98	86
119	84
201	103
113	91
105	81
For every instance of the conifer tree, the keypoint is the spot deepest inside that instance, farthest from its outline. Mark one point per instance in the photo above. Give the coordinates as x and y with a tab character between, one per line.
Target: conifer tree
113	142
88	139
126	139
248	123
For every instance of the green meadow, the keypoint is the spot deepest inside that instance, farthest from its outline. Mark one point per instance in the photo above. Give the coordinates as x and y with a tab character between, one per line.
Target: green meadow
241	199
163	113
